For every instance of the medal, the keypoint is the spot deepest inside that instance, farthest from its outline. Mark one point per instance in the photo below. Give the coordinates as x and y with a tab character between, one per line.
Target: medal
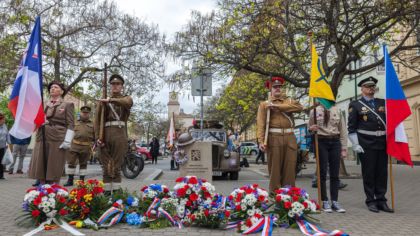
364	108
365	117
381	109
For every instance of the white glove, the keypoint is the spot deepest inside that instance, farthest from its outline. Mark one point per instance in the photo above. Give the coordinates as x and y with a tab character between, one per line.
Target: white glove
355	143
67	140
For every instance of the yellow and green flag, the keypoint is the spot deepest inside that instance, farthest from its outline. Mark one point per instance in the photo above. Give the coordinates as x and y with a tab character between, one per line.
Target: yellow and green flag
319	87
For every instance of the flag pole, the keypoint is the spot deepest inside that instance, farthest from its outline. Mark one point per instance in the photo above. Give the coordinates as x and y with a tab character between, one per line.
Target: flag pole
391	179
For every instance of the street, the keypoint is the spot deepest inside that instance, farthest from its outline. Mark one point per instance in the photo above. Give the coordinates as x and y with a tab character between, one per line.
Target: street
356	221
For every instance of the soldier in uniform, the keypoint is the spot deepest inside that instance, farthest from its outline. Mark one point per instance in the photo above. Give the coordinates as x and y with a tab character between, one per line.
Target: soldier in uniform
366	127
115	146
80	150
281	144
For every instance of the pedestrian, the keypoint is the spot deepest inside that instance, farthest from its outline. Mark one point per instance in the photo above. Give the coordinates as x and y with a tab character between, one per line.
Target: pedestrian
115	146
261	154
81	146
332	145
154	149
281	144
20	146
366	127
4	134
49	155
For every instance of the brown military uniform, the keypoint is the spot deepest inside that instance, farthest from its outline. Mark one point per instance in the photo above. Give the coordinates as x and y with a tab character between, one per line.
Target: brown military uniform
84	136
281	145
60	117
116	140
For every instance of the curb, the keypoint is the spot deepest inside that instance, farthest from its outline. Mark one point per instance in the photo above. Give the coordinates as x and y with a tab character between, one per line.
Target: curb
153	176
260	173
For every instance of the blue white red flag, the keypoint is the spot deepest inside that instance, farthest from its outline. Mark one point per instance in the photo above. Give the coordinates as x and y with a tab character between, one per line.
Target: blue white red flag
397	110
26	98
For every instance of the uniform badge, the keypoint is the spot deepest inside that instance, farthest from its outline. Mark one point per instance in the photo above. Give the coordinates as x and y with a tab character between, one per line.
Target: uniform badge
364	109
350	109
61	110
365	118
381	109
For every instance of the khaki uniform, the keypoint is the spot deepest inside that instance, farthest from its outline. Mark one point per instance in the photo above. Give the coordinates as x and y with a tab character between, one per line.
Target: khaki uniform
336	125
281	145
116	140
80	151
60	117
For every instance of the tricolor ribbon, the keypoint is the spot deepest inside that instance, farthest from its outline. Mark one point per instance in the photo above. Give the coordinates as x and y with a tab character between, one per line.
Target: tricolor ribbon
152	206
310	229
233	224
110	212
60	223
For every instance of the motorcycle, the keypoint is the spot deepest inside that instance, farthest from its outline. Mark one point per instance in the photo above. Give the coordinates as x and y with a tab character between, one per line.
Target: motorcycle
133	162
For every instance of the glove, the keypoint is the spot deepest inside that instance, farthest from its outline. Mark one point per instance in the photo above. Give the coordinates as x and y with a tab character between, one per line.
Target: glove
67	140
355	143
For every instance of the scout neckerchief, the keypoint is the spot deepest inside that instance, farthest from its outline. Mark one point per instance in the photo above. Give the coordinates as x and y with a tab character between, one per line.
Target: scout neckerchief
370	109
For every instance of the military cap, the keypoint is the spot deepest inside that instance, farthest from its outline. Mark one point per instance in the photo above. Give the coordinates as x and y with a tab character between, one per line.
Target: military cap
116	78
61	85
275	81
185	139
86	109
368	81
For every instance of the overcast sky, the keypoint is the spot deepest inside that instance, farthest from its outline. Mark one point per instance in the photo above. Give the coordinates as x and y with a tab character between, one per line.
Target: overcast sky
170	16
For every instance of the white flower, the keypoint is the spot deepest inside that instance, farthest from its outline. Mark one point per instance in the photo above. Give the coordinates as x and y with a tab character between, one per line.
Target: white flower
243	207
291	214
51	214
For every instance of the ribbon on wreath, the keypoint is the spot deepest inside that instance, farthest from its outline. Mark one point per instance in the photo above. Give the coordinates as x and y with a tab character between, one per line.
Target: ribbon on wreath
310	229
264	224
168	216
60	223
152	206
118	214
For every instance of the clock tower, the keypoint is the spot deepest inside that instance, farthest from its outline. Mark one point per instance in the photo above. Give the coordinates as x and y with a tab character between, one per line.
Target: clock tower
173	104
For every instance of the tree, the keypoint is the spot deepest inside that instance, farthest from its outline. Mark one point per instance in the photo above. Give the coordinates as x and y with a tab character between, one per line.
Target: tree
78	38
270	37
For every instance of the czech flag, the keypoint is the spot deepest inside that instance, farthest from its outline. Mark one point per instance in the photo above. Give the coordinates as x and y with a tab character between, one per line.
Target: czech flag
26	98
397	110
171	133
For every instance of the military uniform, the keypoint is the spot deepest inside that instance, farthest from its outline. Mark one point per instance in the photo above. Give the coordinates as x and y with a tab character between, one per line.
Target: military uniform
281	143
80	150
112	153
367	120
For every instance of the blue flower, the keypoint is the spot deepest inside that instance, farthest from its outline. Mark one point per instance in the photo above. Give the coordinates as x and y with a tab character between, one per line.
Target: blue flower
130	200
156	187
134	219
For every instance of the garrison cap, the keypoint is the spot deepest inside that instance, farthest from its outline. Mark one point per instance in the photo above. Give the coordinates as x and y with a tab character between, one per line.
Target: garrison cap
116	78
368	81
86	109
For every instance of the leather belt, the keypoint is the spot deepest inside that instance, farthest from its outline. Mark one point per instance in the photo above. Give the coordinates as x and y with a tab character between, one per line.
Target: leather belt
281	130
82	143
114	123
328	136
372	133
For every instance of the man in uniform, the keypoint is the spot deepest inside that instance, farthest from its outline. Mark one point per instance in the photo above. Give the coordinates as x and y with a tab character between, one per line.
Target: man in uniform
80	150
115	146
281	144
366	127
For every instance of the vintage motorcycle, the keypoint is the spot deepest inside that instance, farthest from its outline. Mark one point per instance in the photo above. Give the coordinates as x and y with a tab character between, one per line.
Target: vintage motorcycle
133	162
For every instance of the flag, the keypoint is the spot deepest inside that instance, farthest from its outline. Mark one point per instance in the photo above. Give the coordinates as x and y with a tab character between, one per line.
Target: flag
319	87
194	121
171	133
397	110
26	98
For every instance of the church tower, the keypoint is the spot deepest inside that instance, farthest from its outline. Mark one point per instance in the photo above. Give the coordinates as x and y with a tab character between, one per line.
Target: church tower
173	104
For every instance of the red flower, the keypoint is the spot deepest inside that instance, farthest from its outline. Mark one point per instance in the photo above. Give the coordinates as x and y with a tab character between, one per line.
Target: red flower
305	204
207	195
287	205
63	212
193	180
238	207
206	212
248	222
255	185
203	188
165	190
86	210
192	217
230	197
61	199
295	198
257	215
203	180
181	192
97	190
179	180
193	197
37	200
144	188
36	213
188	203
114	205
50	190
227	213
249	191
278	198
261	198
27	191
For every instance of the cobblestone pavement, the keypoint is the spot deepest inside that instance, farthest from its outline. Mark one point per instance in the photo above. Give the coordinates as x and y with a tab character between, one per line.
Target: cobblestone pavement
357	221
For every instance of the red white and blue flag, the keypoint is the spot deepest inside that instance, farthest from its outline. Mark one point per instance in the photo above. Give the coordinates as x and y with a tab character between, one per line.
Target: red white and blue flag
26	98
397	110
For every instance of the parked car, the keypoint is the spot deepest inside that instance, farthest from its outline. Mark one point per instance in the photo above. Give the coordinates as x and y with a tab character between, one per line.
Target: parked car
224	162
143	150
248	148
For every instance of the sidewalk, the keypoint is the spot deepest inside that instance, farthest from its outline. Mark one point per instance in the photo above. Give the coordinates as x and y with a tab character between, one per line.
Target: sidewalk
357	221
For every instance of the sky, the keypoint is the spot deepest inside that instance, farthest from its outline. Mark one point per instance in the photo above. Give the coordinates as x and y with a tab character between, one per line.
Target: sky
170	16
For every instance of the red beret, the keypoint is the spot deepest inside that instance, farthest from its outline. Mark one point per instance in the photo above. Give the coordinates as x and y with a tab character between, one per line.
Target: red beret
274	82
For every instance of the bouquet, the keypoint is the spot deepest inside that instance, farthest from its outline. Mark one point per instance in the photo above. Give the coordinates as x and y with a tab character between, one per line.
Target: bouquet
292	203
87	200
211	214
151	192
43	204
247	205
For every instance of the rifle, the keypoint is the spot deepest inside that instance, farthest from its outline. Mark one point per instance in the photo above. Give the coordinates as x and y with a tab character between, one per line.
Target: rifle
267	121
104	95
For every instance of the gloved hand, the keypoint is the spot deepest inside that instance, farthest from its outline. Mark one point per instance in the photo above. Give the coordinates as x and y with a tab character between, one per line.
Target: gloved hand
67	140
355	143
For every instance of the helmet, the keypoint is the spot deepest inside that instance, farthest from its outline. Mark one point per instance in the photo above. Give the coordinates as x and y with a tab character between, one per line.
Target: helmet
185	139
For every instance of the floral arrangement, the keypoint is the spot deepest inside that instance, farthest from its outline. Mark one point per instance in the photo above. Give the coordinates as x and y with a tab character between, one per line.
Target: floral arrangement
43	203
149	192
212	213
86	199
248	204
292	203
191	192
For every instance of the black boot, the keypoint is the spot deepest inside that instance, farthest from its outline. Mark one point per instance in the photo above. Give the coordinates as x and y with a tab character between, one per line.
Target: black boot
82	178
69	181
173	165
37	182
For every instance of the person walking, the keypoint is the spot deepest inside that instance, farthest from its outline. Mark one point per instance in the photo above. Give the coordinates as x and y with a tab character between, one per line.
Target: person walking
281	144
81	146
47	165
332	145
366	127
154	149
114	147
4	134
261	154
20	146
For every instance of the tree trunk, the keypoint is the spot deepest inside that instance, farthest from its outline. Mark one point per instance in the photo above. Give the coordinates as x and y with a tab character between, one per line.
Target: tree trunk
57	60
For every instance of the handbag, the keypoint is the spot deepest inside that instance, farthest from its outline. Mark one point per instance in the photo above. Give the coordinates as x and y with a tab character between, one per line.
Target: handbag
7	158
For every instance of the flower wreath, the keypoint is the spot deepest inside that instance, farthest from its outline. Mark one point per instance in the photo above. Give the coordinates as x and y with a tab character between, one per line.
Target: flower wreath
183	160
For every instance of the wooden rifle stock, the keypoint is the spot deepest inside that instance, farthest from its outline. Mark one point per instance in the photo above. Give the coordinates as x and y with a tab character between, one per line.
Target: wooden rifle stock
267	120
104	96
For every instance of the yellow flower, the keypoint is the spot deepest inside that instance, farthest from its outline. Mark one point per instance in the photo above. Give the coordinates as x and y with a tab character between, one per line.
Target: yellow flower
79	224
88	197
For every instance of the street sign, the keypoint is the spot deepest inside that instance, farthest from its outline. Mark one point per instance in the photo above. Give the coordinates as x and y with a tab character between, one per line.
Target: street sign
196	84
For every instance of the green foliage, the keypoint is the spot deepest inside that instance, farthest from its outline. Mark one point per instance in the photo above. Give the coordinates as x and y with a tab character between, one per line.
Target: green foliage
3	109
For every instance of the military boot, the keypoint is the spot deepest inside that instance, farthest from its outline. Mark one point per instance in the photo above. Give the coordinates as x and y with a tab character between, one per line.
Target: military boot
69	181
